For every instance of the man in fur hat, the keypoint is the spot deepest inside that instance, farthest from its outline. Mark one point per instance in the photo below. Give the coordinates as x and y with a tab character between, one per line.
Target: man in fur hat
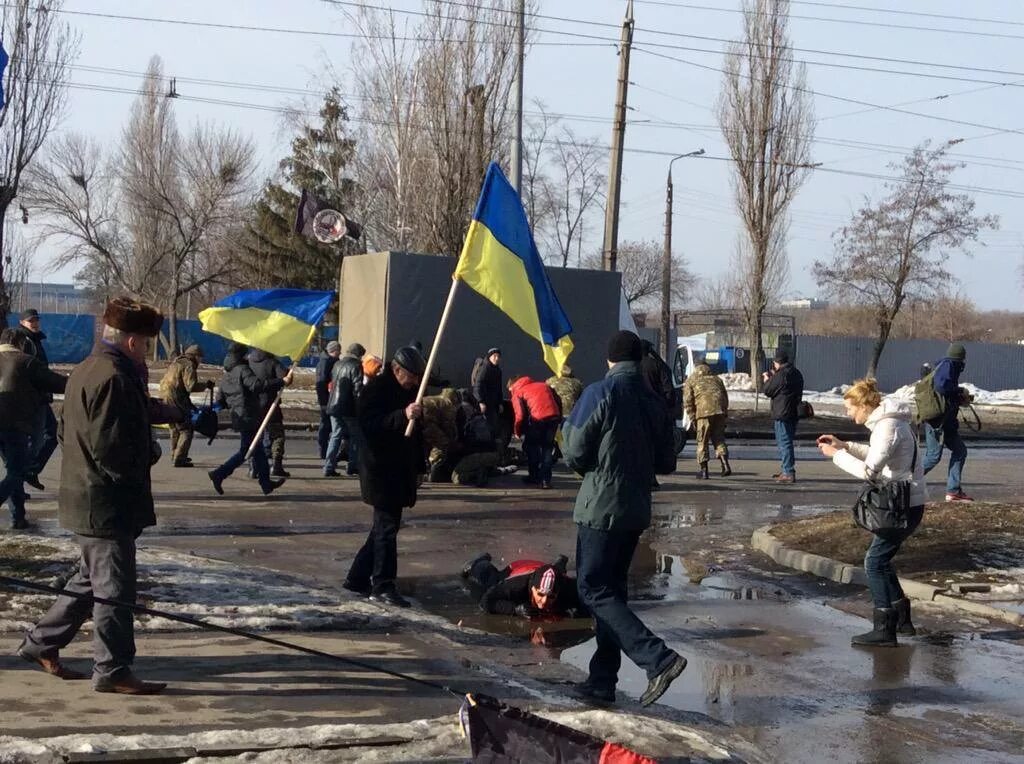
105	498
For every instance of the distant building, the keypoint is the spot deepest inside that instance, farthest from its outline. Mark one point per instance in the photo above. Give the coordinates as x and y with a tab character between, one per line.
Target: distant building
805	303
51	298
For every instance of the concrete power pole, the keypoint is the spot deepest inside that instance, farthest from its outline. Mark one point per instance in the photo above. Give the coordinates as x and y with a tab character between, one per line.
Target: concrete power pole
517	145
610	253
666	261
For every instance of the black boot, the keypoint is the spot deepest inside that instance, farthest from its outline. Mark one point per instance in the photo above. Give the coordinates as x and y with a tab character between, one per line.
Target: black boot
726	469
702	473
903	624
884	633
278	469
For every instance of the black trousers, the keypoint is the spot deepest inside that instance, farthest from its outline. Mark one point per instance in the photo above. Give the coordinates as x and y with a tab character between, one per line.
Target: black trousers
376	564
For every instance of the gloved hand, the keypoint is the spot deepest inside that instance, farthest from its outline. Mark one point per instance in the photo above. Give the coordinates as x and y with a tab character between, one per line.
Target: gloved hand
526	611
210	384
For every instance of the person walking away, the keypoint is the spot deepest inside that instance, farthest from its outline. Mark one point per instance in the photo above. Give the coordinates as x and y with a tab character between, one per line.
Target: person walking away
268	368
390	470
24	381
618	437
244	395
943	431
538	413
568	389
43	441
346	387
891	456
784	385
706	402
324	366
486	385
178	383
659	378
105	498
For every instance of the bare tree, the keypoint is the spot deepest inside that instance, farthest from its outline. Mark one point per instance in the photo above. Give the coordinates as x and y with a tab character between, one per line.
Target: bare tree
150	219
18	252
577	185
640	266
897	248
41	49
717	293
765	113
435	102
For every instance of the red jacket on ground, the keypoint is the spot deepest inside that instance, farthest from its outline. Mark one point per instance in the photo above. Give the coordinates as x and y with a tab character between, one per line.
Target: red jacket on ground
533	400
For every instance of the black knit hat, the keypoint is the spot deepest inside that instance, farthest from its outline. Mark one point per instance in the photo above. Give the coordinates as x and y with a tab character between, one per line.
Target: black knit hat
624	346
781	356
356	349
25	315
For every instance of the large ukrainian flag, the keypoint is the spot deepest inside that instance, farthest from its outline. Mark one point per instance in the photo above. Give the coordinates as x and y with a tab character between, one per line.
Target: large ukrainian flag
500	261
280	321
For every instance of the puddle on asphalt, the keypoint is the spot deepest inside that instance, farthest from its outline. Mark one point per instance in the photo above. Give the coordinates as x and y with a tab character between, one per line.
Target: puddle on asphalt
714	512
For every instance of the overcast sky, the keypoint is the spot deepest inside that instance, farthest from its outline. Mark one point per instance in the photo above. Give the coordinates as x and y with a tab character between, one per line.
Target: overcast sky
577	79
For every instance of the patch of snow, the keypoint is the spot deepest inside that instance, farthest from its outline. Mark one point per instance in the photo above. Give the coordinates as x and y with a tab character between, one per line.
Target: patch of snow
222	593
419	740
737	382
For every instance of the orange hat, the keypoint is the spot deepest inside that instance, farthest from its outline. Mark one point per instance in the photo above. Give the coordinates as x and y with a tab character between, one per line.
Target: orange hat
372	365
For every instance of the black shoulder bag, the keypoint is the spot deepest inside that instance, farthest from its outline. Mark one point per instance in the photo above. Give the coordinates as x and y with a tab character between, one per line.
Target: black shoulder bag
885	507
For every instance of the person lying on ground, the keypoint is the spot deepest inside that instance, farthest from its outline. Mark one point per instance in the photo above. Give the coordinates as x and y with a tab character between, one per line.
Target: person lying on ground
526	588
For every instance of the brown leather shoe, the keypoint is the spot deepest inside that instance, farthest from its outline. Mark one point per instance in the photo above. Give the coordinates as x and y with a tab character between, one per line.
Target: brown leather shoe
53	667
129	684
786	479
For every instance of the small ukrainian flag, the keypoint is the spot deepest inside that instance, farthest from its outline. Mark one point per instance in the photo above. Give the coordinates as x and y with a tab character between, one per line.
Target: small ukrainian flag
500	261
280	321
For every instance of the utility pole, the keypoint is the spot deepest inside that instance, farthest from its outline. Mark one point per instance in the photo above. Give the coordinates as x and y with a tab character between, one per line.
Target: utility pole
517	145
610	253
666	260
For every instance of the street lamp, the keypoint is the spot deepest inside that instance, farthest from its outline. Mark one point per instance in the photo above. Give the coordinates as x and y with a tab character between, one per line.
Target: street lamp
666	259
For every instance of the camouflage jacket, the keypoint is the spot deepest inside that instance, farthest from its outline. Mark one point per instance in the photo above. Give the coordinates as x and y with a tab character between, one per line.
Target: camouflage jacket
179	381
568	390
704	394
440	429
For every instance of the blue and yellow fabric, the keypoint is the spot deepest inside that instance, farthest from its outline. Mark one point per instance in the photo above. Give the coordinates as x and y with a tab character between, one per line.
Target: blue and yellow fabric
500	262
280	321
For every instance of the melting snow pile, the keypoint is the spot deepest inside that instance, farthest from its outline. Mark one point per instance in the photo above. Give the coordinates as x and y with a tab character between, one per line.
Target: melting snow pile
222	593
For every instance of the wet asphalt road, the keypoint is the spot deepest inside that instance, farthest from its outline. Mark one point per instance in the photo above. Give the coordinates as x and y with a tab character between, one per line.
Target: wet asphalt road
768	648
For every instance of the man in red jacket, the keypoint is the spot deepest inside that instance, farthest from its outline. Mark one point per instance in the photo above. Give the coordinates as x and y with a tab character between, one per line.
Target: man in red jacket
538	413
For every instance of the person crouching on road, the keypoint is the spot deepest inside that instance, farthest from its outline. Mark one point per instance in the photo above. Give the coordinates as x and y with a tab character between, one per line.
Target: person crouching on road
891	455
241	392
106	498
619	436
390	469
526	588
538	412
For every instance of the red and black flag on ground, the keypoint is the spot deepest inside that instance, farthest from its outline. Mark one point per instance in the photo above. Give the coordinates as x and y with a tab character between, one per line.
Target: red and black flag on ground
500	734
319	220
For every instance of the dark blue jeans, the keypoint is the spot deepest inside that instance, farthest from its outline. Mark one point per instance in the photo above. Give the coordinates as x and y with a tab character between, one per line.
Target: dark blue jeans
785	431
14	446
948	436
539	445
44	439
602	567
343	430
259	460
883	582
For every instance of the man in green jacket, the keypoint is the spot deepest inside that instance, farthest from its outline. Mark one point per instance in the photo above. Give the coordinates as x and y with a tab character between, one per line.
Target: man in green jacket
105	498
618	437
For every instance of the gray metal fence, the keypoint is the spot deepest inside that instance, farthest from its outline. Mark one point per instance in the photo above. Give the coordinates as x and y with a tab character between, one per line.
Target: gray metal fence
827	362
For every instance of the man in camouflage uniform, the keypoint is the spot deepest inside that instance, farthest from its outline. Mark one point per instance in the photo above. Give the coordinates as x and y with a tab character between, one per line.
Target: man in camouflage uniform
440	433
707	404
568	389
179	382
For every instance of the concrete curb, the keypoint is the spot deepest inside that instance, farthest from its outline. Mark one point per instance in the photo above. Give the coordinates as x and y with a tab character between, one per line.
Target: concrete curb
825	567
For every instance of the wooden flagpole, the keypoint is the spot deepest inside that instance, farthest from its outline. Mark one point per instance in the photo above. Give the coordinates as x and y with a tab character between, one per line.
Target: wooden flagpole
433	352
273	406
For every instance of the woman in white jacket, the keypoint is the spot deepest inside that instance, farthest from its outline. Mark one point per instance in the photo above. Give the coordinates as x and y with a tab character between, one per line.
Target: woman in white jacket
891	455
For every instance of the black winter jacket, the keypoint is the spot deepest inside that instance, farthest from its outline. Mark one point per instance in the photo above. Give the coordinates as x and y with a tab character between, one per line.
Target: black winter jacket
242	393
31	343
267	368
659	378
23	381
786	389
487	387
347	377
389	463
502	598
323	377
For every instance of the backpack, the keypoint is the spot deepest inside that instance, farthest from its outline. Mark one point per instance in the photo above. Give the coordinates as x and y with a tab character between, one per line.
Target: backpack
476	431
930	405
